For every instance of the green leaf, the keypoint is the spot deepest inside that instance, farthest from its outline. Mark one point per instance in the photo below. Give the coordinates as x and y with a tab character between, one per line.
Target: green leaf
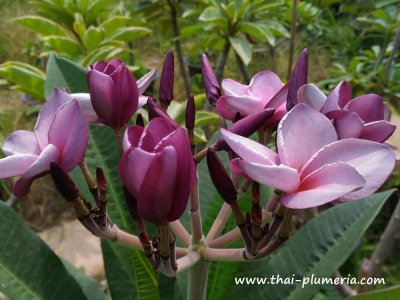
258	31
128	34
89	286
206	118
27	78
29	269
111	25
103	53
63	45
210	14
319	248
243	48
384	294
93	37
42	25
103	152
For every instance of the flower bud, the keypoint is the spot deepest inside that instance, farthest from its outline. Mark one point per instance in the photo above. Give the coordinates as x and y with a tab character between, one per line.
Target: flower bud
220	178
166	93
63	182
246	126
190	115
139	120
210	81
298	78
113	92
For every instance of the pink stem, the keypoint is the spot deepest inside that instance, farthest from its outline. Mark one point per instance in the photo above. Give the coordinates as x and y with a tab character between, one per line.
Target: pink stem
219	223
180	231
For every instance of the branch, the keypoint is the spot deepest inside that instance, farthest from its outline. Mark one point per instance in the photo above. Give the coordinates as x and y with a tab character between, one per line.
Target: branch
194	213
219	223
181	232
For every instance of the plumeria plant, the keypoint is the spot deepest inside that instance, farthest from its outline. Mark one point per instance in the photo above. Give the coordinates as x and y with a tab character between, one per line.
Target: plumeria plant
282	149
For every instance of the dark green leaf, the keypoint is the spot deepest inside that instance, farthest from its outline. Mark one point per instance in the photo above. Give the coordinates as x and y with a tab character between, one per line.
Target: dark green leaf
385	294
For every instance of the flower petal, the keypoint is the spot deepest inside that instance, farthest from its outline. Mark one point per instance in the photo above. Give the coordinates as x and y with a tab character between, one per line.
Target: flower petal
327	184
87	108
265	85
228	106
250	150
347	124
154	132
58	98
301	133
21	142
16	165
231	87
69	133
279	177
378	131
368	107
372	160
310	94
144	81
338	98
132	137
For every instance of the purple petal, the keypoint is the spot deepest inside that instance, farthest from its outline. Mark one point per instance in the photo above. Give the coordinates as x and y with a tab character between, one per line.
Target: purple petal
279	98
297	79
279	177
372	160
327	184
210	81
190	113
231	87
265	85
41	165
378	131
250	150
21	142
71	143
157	112
16	165
347	124
166	93
131	137
228	106
156	199
87	108
144	81
142	101
338	98
58	98
301	133
155	131
368	107
311	95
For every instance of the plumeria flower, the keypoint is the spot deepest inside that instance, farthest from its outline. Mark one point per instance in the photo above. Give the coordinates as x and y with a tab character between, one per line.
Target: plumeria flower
61	135
312	167
157	168
265	90
362	117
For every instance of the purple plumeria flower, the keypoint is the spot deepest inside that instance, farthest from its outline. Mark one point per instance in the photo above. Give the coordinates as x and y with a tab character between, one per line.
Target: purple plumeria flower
362	117
158	169
113	92
312	167
61	135
265	90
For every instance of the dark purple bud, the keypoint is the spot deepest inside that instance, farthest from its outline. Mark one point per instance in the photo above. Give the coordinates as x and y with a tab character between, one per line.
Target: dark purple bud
190	115
166	93
101	179
63	182
246	126
139	120
220	178
255	192
157	112
132	204
210	81
298	78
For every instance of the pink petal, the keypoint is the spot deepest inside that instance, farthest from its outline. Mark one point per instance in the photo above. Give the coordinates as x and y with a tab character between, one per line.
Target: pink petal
310	94
368	107
58	98
279	177
279	98
347	124
231	87
249	150
372	160
87	108
69	133
132	137
228	106
378	131
156	198
338	98
144	82
155	131
21	142
142	101
301	133
265	85
41	165
16	164
327	184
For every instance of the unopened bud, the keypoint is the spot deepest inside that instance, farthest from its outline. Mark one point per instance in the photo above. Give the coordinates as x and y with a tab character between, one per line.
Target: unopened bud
190	115
210	81
220	178
298	78
63	182
166	93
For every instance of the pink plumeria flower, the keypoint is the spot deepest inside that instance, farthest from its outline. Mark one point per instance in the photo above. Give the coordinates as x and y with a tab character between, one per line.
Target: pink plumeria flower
363	117
61	135
265	90
312	167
